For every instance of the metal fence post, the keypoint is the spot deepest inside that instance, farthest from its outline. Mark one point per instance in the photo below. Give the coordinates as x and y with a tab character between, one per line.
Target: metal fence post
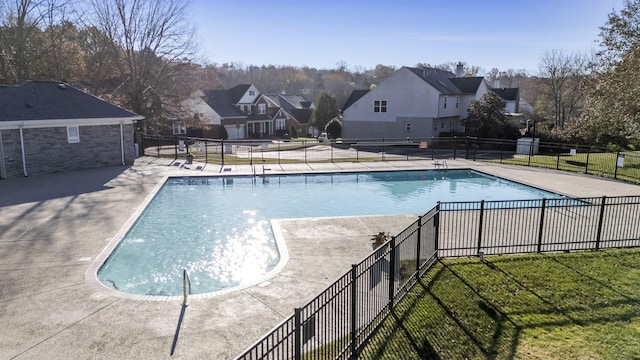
206	152
278	152
392	271
541	226
455	146
615	165
419	235
558	158
436	231
175	148
354	294
222	151
501	150
530	152
304	145
586	164
480	225
297	337
331	155
600	220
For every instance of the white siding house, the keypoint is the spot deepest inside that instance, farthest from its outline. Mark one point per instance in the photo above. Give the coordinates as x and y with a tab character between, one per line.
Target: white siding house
412	102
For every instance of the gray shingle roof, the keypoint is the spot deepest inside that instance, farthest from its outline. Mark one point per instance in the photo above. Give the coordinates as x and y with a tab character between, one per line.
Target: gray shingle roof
49	100
446	82
302	115
236	92
508	94
353	97
220	101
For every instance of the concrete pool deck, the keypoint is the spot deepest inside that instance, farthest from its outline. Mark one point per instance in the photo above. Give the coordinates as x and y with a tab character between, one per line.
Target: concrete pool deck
53	227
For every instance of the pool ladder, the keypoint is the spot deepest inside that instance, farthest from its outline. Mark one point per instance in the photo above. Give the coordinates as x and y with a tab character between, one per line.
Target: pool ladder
441	165
185	281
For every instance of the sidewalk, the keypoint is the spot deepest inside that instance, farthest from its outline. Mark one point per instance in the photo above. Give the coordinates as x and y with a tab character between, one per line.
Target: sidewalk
53	227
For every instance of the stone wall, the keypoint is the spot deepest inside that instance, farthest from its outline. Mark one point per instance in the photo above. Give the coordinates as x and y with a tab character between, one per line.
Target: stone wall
47	150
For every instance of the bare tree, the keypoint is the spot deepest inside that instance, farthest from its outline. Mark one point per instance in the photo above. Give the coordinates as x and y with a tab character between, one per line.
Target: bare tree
152	44
23	47
562	76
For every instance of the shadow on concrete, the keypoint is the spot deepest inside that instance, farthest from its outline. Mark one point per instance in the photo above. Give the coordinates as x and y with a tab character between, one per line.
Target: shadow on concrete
177	334
38	188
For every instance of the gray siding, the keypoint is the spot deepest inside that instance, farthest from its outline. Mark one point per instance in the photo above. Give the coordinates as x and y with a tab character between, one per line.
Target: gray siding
48	151
420	128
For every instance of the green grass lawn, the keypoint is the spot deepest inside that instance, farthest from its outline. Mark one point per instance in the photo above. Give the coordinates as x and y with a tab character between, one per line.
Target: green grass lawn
603	164
550	306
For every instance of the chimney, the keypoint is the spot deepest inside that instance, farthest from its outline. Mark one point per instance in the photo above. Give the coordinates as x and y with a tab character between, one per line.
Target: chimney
496	83
459	70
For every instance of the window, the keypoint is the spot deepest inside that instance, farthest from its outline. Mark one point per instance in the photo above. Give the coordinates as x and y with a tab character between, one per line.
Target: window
262	109
73	134
445	102
442	125
457	101
252	93
380	106
280	124
248	110
408	127
179	128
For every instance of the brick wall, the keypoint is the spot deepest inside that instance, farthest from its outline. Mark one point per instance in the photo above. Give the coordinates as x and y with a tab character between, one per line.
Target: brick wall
47	150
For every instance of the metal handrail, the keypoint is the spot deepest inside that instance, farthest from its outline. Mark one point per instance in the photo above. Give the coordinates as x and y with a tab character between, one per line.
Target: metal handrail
185	280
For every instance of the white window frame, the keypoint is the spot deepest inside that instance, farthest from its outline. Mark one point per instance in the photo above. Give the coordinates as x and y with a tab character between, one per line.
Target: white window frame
73	134
445	102
262	109
457	101
407	127
252	93
281	124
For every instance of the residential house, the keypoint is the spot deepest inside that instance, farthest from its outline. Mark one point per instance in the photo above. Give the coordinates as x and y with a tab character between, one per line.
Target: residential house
245	112
48	127
413	102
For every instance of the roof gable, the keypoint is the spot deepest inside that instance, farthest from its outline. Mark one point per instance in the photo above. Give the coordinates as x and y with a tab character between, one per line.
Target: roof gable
237	92
49	100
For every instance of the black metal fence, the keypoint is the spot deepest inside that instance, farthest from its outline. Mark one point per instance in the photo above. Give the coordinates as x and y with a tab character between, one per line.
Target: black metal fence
339	322
614	163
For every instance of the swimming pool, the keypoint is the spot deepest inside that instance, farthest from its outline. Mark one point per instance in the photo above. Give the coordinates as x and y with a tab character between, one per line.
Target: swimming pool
219	228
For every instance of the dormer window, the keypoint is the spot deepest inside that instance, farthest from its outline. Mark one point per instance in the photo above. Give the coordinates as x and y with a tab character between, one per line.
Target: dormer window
252	93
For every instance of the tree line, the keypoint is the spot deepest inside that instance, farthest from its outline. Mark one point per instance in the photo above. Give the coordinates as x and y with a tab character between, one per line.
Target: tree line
142	54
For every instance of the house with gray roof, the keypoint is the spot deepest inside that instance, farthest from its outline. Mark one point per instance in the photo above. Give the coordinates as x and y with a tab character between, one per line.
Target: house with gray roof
419	102
245	112
48	127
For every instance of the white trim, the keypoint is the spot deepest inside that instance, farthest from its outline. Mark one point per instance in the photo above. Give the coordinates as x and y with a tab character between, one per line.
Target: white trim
34	124
122	142
24	156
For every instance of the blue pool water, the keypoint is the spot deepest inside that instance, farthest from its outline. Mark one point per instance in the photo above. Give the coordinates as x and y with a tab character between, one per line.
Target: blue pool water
219	230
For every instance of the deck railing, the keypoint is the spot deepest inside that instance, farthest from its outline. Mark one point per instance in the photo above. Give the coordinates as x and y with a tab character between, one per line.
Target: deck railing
339	322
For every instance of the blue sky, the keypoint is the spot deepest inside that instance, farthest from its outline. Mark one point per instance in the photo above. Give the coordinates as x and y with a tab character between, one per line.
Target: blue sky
505	34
